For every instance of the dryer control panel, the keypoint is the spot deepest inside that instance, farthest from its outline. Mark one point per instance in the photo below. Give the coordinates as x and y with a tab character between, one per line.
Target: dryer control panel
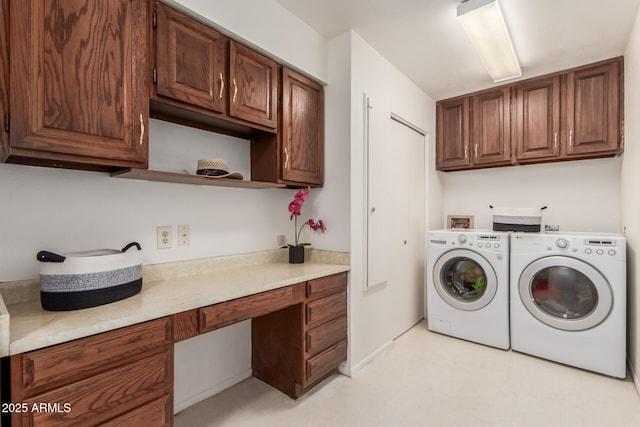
607	246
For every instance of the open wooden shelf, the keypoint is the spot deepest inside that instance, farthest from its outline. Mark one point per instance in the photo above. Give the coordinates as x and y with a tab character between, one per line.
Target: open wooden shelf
183	178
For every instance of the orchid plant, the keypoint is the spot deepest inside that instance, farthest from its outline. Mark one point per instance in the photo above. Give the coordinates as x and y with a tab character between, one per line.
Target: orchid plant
294	208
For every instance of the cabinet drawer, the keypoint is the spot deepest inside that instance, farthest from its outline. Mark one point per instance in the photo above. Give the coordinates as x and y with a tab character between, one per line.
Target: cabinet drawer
111	394
154	414
64	363
325	362
227	313
185	325
319	311
326	335
324	286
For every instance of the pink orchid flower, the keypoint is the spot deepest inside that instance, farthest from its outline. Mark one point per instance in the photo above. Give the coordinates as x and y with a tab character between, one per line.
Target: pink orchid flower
295	208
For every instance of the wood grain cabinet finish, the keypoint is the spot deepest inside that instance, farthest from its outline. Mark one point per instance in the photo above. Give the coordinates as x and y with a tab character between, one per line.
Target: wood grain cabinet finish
490	128
295	156
4	77
226	313
191	61
536	119
79	83
293	355
103	378
205	80
594	110
253	91
325	327
569	115
302	129
452	134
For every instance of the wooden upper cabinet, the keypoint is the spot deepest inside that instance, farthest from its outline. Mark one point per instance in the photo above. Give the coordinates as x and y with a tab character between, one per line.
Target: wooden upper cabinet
302	129
536	119
490	128
79	83
191	61
4	76
567	115
253	87
594	108
452	134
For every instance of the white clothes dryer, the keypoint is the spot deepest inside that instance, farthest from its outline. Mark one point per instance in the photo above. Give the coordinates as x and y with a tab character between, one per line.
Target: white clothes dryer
568	299
468	285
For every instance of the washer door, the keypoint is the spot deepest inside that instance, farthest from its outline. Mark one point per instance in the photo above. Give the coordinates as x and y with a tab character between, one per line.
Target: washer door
464	279
565	293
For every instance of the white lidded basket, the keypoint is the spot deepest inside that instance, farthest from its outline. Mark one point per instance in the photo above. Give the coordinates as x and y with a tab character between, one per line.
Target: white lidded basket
88	279
517	219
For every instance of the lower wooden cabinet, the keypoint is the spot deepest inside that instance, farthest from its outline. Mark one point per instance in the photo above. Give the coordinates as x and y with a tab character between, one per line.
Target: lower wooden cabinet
295	348
115	378
125	377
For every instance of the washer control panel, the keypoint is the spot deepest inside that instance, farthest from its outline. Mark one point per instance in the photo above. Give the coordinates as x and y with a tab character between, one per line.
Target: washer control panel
492	242
473	240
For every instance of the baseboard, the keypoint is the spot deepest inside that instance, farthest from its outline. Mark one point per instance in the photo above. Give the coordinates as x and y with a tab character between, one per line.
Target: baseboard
634	376
350	371
212	391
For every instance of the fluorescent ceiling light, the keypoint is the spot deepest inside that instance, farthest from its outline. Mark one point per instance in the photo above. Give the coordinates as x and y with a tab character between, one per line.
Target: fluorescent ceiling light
484	24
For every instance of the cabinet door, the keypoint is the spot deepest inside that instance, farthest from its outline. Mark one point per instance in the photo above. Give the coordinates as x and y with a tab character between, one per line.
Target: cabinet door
452	134
190	60
4	78
593	109
253	92
302	129
490	124
536	128
79	81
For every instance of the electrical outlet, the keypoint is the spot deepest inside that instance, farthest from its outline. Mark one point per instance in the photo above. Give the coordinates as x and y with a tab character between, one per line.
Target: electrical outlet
184	235
164	237
282	239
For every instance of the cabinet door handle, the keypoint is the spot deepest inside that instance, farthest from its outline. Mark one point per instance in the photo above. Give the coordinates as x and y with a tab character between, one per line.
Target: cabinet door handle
570	138
475	151
235	90
465	151
221	86
286	158
555	141
141	129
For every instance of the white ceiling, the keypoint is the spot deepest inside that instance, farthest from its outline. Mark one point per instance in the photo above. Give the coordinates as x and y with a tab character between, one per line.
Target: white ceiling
424	40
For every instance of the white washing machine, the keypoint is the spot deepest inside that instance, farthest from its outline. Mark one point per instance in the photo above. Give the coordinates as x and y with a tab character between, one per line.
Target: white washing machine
568	299
468	285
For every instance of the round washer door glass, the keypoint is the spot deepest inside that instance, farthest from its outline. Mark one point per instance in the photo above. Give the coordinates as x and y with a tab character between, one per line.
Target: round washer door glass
565	293
464	279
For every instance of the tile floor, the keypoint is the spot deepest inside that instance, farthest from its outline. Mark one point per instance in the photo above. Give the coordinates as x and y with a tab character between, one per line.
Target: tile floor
428	379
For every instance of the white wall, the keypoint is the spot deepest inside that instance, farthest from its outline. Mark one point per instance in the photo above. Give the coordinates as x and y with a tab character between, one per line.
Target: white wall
630	177
580	196
390	92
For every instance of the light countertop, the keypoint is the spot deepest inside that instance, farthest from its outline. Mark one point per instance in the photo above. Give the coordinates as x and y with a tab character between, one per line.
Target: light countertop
167	289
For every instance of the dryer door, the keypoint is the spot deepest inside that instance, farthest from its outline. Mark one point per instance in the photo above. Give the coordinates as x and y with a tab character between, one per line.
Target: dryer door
465	279
565	293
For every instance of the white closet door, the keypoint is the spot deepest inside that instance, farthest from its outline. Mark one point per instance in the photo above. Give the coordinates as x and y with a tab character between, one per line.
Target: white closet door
406	228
